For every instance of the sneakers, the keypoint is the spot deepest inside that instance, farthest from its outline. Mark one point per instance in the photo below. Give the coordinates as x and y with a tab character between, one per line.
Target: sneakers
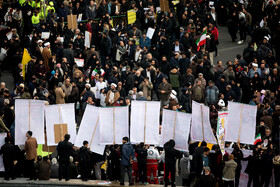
240	42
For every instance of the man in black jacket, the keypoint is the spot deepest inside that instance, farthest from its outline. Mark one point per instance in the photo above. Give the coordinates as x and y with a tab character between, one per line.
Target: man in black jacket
171	154
85	161
8	151
142	163
65	150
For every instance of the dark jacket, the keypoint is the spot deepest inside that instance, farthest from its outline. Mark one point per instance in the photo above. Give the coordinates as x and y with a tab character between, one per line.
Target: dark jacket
171	154
8	151
84	156
127	154
142	156
44	170
65	150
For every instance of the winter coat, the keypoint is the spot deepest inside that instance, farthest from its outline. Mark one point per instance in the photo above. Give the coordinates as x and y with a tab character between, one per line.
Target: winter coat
229	170
142	156
167	88
31	148
212	94
44	170
185	167
171	154
64	150
127	154
84	156
175	78
60	95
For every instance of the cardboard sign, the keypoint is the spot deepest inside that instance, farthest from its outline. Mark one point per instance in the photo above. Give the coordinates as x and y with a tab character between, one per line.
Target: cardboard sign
150	32
131	16
79	62
72	21
50	149
45	35
87	39
164	5
80	17
9	35
59	131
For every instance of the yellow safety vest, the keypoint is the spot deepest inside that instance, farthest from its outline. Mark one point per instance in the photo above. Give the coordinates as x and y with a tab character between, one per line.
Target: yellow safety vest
35	19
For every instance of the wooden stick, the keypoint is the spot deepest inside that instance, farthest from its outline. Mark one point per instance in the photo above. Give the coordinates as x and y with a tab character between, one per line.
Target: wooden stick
94	131
202	122
59	113
114	125
174	125
240	122
29	114
145	122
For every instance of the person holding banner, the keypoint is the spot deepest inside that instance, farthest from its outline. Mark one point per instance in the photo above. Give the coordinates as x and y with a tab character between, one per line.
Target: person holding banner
171	154
64	150
8	152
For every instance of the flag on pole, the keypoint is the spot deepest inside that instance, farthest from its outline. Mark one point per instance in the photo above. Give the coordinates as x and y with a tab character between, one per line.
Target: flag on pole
25	59
202	40
258	139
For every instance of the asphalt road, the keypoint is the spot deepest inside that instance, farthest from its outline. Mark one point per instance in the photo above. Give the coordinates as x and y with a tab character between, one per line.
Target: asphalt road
227	49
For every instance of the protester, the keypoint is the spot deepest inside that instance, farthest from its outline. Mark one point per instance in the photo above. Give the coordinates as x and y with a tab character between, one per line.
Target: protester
8	152
64	150
127	156
31	154
171	154
124	62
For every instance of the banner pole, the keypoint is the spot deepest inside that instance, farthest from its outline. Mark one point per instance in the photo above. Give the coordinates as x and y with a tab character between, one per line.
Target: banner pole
202	122
114	125
240	122
145	122
174	125
29	115
94	131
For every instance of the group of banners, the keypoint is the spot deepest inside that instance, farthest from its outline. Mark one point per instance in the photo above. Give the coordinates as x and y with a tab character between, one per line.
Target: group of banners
108	125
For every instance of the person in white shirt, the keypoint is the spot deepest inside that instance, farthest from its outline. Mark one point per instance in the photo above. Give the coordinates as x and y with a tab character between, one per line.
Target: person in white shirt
99	86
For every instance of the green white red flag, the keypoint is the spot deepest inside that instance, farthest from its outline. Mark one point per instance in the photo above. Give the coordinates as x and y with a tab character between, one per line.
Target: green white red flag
258	139
202	40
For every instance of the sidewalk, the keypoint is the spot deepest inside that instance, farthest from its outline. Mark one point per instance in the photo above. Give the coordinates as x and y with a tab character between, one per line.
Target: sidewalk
55	183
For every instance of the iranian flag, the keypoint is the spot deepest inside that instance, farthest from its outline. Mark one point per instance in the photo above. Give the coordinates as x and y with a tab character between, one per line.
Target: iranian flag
258	139
202	40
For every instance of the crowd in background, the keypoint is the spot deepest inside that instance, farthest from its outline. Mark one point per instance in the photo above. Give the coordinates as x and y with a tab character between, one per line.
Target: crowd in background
124	64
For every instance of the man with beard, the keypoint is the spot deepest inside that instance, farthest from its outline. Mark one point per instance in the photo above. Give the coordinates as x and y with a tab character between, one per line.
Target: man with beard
112	95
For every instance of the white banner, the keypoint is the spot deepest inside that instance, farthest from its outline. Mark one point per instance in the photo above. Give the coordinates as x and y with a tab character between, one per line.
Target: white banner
241	123
221	125
2	142
113	124
87	39
89	130
201	128
59	114
145	122
176	126
29	115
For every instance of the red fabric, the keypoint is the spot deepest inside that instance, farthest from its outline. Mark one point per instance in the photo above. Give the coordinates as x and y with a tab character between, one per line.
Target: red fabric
152	169
89	29
164	172
215	32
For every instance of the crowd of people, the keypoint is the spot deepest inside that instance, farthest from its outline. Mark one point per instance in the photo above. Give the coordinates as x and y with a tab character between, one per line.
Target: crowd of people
123	64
